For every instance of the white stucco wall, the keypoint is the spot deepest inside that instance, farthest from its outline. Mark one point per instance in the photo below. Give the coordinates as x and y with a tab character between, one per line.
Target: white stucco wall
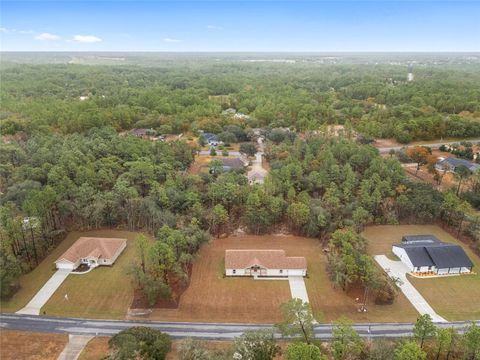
270	272
402	255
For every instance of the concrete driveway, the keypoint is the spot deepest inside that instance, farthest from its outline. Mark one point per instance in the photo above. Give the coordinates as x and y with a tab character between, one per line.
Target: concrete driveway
297	288
398	270
42	296
74	347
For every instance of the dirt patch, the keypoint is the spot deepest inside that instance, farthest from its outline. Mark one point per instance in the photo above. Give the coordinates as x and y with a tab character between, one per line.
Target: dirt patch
16	345
383	143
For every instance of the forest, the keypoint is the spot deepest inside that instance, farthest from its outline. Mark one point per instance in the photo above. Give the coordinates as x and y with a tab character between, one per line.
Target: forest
180	95
64	166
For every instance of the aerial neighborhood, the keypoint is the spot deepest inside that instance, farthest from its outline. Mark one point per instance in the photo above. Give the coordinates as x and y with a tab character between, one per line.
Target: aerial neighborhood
238	205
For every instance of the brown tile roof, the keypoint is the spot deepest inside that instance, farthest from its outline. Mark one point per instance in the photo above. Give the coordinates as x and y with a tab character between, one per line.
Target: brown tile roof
104	248
270	259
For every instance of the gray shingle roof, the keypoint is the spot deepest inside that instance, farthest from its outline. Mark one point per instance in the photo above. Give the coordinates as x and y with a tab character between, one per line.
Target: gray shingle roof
427	250
454	163
233	163
418	256
448	256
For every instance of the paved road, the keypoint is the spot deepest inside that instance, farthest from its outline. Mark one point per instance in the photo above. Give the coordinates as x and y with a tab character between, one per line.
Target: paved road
433	146
398	270
257	173
47	290
207	331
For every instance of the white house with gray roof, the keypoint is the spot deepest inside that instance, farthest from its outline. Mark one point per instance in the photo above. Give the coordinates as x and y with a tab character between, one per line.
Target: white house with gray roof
451	164
428	255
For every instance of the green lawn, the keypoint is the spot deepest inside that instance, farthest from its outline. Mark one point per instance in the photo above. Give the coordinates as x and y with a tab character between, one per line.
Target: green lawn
32	282
105	292
454	298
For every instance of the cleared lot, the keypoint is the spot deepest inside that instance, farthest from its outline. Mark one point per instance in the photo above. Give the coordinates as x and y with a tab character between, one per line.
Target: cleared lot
454	298
211	297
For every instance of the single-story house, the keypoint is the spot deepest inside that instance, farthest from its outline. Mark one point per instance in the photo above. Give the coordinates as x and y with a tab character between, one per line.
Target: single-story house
428	255
229	111
451	164
232	164
211	139
257	177
143	133
91	251
263	263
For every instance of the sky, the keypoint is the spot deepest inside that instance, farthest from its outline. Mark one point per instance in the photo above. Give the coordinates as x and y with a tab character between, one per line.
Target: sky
266	26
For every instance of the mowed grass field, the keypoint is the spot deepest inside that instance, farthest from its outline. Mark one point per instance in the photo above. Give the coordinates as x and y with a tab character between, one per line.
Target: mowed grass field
454	298
15	345
213	298
104	292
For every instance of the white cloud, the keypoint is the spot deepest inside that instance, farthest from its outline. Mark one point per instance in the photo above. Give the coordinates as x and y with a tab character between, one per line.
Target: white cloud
47	37
214	27
172	40
3	30
87	39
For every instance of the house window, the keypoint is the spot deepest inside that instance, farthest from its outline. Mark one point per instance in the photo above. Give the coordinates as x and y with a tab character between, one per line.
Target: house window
281	271
234	271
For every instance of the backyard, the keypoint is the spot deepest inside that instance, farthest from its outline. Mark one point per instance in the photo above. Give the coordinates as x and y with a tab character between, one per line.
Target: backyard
455	297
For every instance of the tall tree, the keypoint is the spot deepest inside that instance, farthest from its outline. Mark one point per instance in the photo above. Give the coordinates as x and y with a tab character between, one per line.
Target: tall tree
424	329
297	320
303	351
256	345
409	350
346	343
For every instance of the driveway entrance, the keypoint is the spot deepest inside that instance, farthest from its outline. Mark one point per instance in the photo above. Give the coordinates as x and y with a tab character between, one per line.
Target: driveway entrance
398	270
42	296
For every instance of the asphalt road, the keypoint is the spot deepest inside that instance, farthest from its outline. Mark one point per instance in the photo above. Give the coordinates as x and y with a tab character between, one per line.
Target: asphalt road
206	331
433	146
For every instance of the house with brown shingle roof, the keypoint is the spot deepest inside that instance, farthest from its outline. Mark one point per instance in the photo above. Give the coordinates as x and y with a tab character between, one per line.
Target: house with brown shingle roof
263	263
91	251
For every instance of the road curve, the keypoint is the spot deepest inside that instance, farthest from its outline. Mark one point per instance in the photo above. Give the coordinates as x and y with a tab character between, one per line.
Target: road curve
384	150
206	331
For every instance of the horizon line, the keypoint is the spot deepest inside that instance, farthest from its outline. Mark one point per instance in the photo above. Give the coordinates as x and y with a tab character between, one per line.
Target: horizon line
249	51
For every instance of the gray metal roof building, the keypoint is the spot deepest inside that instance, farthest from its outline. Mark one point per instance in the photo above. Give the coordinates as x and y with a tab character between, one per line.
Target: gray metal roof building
427	250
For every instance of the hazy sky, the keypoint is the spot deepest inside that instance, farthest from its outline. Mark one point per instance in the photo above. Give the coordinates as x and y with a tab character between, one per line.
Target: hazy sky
240	25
